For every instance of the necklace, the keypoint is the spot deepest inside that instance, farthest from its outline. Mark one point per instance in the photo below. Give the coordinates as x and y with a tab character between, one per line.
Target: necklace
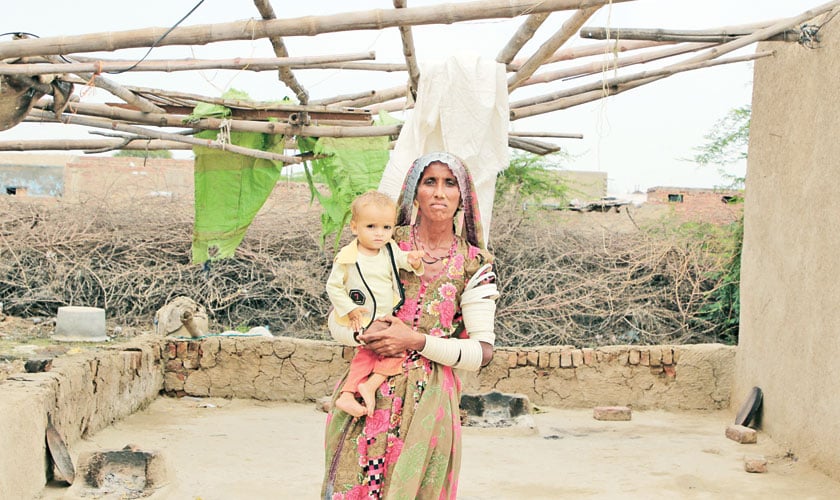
427	257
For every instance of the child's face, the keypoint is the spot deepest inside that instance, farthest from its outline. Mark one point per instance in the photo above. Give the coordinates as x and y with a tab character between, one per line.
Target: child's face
373	226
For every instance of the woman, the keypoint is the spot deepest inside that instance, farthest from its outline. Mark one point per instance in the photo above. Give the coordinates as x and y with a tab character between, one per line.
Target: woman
411	447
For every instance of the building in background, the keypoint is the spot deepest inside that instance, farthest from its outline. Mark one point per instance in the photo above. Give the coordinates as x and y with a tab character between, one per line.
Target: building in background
25	174
717	206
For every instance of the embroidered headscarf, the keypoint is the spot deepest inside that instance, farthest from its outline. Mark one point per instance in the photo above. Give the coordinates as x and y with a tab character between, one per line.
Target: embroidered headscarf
471	227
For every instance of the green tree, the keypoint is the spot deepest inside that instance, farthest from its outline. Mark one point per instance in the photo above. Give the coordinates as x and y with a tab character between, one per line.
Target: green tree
532	178
727	143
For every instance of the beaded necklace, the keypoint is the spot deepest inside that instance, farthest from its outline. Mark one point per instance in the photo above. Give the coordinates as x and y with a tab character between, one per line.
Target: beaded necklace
424	283
431	259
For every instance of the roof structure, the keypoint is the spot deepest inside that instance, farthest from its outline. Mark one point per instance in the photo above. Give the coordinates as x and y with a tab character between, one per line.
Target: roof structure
42	79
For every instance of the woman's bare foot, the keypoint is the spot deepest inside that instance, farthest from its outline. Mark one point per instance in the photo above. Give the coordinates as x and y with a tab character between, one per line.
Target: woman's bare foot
348	404
367	390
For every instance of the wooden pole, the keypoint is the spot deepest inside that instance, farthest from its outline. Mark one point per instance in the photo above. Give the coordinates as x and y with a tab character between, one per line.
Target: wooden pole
520	38
601	66
409	53
156	134
92	144
103	111
559	135
548	48
612	86
721	35
375	19
556	101
257	64
360	66
330	101
592	49
284	74
383	95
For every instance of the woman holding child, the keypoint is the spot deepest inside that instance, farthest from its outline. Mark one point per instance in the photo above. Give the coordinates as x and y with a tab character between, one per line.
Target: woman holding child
410	447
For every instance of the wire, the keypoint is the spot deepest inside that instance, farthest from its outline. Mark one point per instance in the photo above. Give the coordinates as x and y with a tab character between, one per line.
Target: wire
188	14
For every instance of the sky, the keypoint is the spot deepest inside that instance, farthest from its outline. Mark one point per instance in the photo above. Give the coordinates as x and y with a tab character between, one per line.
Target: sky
640	138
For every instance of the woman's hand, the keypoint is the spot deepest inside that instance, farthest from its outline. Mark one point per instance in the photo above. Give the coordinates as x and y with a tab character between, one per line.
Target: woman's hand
389	336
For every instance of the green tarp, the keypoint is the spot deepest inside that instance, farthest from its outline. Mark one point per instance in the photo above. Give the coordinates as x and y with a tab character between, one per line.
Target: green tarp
229	188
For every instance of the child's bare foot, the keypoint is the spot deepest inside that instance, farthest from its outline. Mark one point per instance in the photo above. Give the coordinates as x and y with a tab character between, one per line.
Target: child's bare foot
348	404
367	390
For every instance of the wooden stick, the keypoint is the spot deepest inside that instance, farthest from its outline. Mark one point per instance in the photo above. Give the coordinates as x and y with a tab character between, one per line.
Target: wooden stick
410	53
167	120
593	49
155	134
330	101
375	19
285	74
360	66
520	38
378	96
391	106
601	66
257	64
548	48
533	146
91	144
612	86
559	135
721	35
187	99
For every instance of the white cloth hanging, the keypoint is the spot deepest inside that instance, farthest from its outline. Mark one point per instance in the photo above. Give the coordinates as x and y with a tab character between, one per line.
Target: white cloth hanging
462	107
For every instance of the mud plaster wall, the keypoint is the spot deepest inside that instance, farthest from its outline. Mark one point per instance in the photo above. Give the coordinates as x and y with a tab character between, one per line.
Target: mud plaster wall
81	394
84	393
789	344
697	377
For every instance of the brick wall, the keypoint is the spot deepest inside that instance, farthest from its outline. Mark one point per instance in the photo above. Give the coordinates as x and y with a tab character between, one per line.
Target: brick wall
698	205
95	177
695	377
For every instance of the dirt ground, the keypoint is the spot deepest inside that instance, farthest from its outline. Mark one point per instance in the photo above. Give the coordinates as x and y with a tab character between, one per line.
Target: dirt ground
230	449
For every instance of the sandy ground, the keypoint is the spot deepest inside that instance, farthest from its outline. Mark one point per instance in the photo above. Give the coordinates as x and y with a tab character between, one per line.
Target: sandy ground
237	449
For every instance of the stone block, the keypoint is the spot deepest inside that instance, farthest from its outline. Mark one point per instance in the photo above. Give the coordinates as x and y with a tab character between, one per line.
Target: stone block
565	359
554	360
634	357
612	413
533	358
741	434
755	464
588	357
644	358
513	359
577	358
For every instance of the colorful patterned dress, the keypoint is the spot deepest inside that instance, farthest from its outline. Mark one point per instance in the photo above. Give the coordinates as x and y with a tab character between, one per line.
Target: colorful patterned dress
411	447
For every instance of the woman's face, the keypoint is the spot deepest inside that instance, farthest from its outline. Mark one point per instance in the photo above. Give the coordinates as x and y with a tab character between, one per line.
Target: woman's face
438	195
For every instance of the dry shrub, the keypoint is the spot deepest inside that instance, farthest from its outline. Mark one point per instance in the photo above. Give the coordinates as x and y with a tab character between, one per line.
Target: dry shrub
590	287
560	286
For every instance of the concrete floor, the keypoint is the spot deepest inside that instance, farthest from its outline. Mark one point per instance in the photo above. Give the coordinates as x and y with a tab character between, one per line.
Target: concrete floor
232	449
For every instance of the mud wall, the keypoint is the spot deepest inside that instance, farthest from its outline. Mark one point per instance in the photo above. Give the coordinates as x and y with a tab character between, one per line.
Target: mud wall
84	393
789	343
697	377
80	394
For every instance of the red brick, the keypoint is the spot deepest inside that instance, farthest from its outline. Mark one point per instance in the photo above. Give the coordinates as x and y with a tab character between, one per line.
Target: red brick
741	434
755	463
612	413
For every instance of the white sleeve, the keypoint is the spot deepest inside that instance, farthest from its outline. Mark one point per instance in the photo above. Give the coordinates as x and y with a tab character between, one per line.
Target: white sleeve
464	354
342	334
478	306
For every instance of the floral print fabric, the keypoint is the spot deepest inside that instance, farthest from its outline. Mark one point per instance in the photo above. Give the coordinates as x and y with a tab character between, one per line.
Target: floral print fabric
411	447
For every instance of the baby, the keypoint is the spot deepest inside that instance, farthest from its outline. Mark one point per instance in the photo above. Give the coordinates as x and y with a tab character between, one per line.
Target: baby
364	285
